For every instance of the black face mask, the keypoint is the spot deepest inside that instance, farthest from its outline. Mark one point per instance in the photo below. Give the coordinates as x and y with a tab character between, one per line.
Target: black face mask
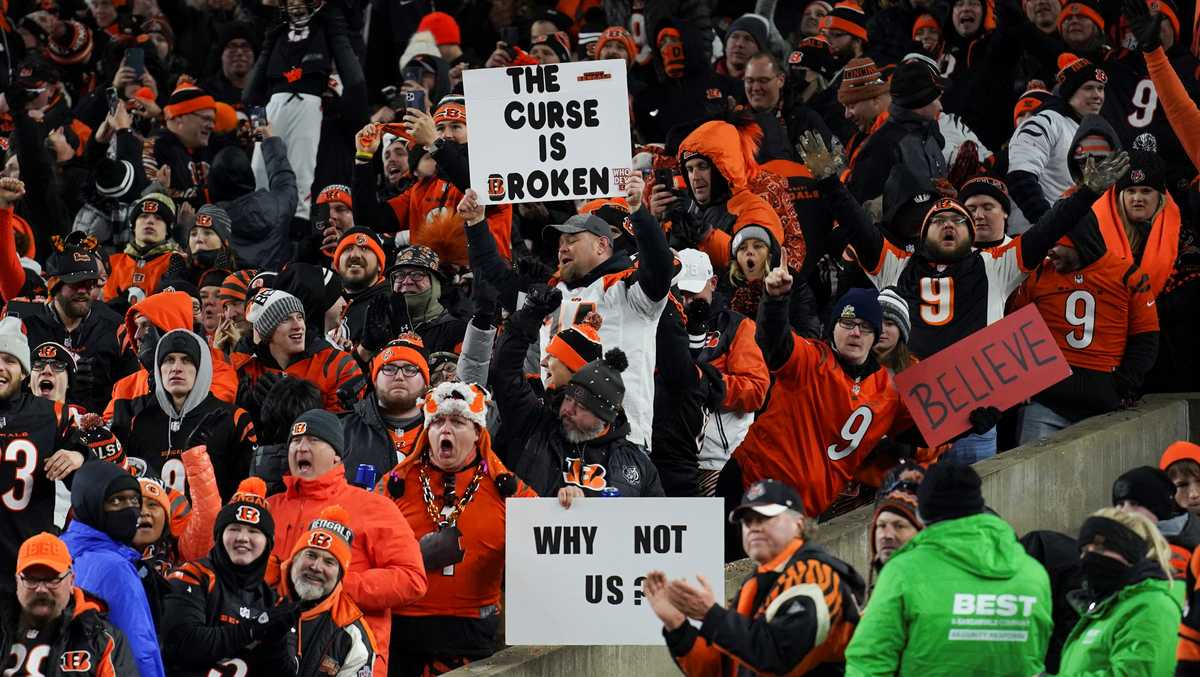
206	259
121	525
1103	575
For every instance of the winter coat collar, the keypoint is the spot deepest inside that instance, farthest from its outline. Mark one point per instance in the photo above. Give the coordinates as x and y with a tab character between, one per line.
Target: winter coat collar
326	486
89	539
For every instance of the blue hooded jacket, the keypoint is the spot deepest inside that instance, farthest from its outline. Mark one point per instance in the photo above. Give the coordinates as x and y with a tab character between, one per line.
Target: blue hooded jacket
106	569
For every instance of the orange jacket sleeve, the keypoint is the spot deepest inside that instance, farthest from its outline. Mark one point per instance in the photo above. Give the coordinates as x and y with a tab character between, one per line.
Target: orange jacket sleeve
196	538
746	375
225	379
397	573
702	660
499	220
716	245
1182	113
12	275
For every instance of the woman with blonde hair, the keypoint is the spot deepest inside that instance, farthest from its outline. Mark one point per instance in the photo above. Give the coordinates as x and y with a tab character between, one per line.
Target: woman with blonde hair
1128	614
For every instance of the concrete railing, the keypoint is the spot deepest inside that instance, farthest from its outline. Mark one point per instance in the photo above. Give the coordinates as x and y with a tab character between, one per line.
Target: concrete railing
1051	485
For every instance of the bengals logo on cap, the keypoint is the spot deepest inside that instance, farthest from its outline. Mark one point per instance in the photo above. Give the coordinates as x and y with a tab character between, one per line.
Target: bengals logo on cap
261	297
320	539
360	240
75	661
80	257
47	352
204	220
495	187
149	207
1101	76
299	428
248	514
795	57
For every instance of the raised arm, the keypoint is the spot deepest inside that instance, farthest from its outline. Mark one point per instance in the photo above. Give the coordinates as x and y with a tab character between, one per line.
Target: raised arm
483	254
859	230
655	263
1065	214
774	332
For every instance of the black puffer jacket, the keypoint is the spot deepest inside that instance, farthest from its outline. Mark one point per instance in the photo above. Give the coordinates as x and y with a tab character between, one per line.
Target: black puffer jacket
547	460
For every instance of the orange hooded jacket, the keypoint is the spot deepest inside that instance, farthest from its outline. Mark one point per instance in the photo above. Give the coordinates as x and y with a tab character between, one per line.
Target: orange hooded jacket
386	570
731	153
166	311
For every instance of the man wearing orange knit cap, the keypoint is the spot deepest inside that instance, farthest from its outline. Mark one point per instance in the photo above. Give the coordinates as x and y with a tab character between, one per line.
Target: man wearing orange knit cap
333	638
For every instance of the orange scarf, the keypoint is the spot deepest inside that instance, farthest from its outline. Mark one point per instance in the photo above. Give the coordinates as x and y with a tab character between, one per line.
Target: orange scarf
1162	242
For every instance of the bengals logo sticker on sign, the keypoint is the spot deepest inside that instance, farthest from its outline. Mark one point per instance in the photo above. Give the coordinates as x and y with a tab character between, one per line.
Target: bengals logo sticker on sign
495	186
75	661
248	514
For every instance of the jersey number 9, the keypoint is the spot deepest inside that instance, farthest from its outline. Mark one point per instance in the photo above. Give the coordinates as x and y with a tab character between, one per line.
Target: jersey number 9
853	432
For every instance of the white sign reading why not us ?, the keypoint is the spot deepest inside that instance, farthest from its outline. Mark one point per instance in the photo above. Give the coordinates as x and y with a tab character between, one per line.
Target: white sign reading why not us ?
575	576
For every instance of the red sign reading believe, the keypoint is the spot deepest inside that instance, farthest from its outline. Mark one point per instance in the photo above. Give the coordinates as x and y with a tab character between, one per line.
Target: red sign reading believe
998	366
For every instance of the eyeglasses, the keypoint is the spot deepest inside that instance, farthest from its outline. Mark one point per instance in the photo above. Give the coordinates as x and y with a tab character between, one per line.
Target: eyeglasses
409	370
944	219
48	583
414	275
56	366
862	326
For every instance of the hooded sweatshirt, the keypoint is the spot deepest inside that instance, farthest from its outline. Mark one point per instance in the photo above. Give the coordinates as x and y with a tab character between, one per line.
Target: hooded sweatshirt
166	311
107	568
159	434
960	598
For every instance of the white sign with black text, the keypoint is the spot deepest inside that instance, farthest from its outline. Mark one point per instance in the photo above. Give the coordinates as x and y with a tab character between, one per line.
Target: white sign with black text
552	132
575	576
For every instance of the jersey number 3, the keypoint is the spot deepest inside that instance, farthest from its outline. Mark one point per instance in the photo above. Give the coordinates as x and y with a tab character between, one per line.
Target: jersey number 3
937	300
24	456
853	432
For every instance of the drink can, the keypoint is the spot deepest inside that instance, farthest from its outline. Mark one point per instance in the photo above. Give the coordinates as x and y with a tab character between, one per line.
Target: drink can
610	492
364	476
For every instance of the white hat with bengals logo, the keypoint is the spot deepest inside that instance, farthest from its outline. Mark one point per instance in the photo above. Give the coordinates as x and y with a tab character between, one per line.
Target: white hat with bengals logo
249	507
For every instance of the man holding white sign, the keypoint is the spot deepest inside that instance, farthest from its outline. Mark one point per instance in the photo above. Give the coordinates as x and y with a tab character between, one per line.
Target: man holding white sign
795	613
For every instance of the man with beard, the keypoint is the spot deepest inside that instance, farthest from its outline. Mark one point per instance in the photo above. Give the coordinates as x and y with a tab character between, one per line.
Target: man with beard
60	626
332	638
385	574
382	428
895	520
72	318
952	289
107	501
221	616
393	154
231	299
576	444
38	436
333	216
359	259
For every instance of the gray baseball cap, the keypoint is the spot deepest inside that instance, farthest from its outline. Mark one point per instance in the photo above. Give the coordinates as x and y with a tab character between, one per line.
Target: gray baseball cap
585	223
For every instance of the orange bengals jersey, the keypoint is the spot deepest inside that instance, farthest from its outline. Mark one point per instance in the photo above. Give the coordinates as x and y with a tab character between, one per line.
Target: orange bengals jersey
819	425
1092	311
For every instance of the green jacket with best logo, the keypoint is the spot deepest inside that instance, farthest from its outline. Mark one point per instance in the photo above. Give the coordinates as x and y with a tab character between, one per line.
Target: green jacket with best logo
960	598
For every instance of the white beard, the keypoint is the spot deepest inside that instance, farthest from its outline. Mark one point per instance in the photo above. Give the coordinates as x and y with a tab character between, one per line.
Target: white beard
308	592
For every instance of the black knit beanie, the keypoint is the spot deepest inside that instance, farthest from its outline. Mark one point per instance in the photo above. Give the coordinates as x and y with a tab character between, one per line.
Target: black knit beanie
949	491
599	387
1149	487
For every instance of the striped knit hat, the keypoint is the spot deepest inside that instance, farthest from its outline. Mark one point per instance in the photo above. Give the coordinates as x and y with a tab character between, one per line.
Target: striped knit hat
188	98
1031	100
895	309
578	344
212	216
336	192
73	46
269	308
234	288
452	109
861	81
847	16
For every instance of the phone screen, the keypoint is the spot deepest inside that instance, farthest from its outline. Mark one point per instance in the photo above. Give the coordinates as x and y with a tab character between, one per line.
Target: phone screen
135	58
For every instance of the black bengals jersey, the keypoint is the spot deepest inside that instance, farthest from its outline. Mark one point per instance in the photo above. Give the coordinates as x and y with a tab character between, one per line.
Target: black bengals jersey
32	429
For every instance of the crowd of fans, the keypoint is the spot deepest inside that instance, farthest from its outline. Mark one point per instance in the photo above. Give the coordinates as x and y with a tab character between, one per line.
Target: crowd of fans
270	371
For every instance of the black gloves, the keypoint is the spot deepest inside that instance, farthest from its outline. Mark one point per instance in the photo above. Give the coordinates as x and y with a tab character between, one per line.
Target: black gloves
540	302
984	419
440	549
261	389
277	621
699	317
387	318
91	381
484	299
686	229
351	392
146	350
713	382
1145	26
204	429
